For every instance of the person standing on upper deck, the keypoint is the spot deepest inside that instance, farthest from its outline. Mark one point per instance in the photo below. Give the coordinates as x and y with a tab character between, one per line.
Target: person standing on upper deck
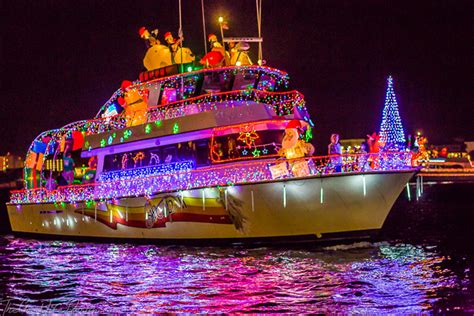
334	148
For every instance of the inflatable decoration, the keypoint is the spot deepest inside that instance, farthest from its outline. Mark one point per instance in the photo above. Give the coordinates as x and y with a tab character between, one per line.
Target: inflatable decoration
212	59
239	55
216	57
292	145
422	155
158	55
134	103
77	140
374	142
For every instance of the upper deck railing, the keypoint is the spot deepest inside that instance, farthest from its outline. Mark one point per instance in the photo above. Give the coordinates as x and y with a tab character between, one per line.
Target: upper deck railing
282	103
222	175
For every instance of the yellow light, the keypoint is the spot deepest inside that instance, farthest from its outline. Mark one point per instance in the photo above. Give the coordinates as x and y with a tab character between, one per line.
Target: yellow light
238	63
221	19
259	62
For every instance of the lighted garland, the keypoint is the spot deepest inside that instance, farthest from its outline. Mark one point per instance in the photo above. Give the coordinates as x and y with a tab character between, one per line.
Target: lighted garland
231	174
283	103
280	77
149	171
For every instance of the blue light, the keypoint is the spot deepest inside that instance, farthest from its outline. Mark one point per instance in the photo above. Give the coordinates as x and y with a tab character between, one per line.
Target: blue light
391	129
167	168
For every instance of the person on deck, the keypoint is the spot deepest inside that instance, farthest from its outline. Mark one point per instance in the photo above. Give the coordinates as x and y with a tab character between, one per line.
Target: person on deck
362	159
335	151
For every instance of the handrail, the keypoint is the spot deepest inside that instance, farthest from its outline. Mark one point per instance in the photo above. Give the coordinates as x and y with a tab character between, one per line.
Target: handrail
270	70
222	175
175	109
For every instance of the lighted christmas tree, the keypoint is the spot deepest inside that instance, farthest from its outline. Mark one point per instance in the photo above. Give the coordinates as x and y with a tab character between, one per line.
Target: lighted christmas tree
391	129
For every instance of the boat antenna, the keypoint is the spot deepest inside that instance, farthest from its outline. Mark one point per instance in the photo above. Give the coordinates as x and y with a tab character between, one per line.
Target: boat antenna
204	26
258	4
180	34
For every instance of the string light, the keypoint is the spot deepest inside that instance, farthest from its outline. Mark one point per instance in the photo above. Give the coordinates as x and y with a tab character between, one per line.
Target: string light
391	129
143	172
148	181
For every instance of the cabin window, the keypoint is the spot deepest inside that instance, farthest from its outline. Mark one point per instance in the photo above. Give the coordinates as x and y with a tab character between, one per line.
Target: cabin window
196	151
179	89
190	84
169	95
215	82
266	83
246	145
244	80
202	153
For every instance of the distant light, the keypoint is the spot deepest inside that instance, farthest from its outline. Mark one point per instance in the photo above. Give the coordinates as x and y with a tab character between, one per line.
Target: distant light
259	62
190	69
221	19
238	63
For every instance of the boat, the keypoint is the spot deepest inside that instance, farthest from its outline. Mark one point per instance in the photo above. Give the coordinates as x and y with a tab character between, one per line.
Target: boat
191	154
458	169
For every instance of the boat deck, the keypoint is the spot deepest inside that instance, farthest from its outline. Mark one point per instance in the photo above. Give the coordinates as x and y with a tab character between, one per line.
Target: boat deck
228	174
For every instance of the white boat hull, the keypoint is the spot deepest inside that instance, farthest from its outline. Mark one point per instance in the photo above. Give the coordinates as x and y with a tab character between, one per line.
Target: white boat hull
311	208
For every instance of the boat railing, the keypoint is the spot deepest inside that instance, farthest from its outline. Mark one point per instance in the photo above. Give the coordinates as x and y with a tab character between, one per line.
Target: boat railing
283	103
220	176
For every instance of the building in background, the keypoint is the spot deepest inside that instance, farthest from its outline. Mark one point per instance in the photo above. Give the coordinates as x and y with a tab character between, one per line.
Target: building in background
10	161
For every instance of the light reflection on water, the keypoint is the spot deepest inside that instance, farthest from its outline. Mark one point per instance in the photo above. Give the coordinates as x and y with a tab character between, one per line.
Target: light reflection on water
109	278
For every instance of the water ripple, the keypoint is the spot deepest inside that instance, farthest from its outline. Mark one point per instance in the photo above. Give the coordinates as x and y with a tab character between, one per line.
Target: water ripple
40	276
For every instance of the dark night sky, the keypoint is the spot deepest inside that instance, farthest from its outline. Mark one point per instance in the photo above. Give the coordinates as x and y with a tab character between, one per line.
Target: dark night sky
61	60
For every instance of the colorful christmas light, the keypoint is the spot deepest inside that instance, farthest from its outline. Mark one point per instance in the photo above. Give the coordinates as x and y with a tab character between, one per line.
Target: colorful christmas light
391	129
143	172
131	183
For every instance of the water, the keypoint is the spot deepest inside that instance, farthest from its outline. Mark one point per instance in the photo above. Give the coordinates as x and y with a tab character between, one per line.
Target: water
423	262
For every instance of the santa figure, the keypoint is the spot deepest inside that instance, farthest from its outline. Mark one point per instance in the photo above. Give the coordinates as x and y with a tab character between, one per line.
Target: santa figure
292	146
216	57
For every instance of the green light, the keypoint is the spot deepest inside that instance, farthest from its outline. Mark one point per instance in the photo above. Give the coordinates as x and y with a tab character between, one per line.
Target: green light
148	129
175	128
127	134
190	69
256	152
158	123
309	134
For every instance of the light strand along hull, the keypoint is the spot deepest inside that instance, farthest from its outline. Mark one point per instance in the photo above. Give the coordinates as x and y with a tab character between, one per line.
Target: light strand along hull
317	207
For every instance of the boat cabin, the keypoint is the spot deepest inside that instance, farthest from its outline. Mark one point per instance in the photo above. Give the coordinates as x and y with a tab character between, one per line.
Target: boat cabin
190	120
